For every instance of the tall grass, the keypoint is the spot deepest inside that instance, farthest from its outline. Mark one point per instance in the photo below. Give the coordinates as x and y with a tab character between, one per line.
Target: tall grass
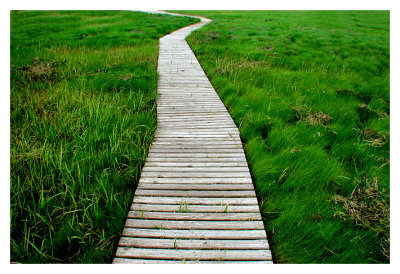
83	115
309	91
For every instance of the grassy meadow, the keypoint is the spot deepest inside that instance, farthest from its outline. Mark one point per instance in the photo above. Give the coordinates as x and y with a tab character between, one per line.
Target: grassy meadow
309	91
83	115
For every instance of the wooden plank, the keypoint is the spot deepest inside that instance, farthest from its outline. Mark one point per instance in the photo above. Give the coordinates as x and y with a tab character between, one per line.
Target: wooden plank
144	261
194	201
192	142
196	118
191	125
196	186
193	244
187	97
222	118
181	254
220	132
189	110
195	121
181	126
197	109
198	138
216	225
188	115
190	106
195	193
189	146
198	130
188	101
190	97
196	150
199	135
196	180
198	103
201	164
169	101
194	234
195	208
185	85
199	169
178	159
194	216
188	174
196	155
157	145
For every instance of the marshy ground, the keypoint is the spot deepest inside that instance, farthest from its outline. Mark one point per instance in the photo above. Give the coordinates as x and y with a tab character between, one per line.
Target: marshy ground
308	90
83	115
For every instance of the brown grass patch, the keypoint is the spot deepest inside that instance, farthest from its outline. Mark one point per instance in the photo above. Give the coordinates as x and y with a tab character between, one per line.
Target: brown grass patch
212	35
318	118
39	70
369	207
268	48
312	118
373	137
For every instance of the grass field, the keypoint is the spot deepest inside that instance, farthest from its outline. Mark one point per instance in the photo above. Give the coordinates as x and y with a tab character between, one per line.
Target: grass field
83	115
309	91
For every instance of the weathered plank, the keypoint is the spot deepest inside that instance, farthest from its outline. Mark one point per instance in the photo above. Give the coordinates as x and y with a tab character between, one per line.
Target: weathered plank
201	164
195	208
193	244
195	169
194	201
197	150
195	193
194	234
183	142
196	147
187	224
195	216
197	131
190	174
178	159
144	261
196	180
183	254
196	155
196	186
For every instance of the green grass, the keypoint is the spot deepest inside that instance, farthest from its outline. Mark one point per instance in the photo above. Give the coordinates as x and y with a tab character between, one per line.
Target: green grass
309	91
83	115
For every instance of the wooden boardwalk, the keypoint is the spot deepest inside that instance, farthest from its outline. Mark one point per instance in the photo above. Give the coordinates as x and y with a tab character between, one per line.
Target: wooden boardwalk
195	202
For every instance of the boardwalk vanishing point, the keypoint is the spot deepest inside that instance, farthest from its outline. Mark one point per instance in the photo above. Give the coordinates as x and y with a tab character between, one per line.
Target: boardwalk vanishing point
195	202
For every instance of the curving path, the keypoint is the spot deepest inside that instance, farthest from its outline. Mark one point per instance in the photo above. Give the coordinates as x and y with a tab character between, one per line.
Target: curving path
195	202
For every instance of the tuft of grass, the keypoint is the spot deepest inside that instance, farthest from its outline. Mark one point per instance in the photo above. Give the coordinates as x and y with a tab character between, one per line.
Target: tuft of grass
309	92
83	115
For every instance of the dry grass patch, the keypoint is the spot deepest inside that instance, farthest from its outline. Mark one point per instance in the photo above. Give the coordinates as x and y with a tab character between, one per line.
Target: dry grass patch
312	118
369	207
373	137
